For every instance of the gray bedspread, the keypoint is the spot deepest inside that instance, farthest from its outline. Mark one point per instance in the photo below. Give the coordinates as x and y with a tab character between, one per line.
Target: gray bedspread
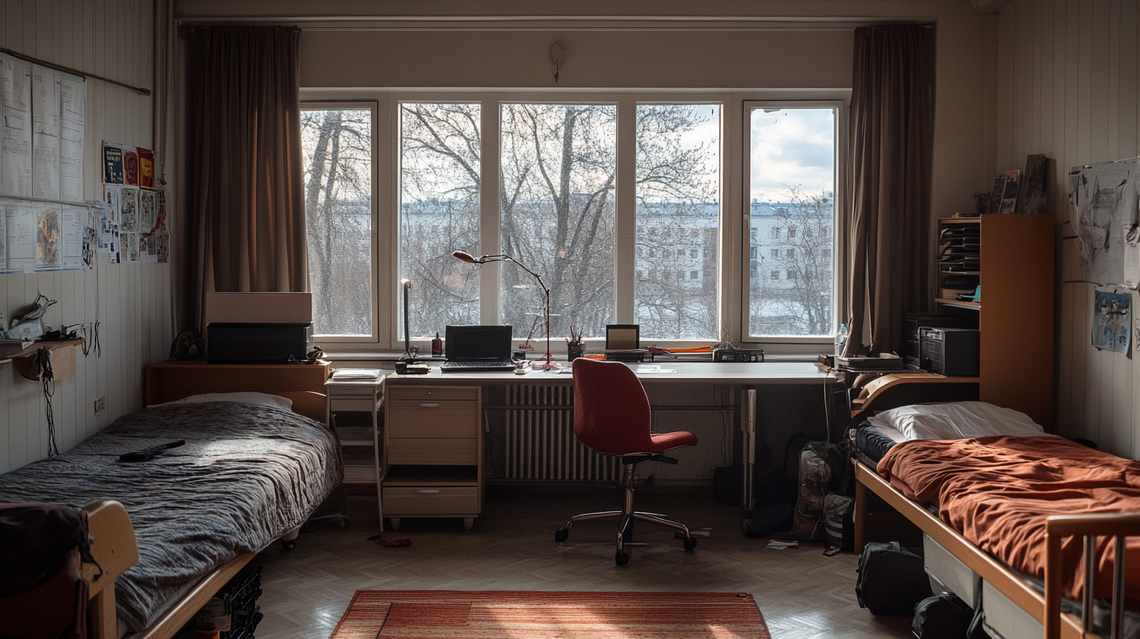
246	475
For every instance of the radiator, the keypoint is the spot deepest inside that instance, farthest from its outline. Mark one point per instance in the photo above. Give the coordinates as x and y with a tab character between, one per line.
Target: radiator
540	438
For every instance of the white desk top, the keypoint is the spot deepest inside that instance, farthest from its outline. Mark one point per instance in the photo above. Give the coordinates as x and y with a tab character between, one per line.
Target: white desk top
757	373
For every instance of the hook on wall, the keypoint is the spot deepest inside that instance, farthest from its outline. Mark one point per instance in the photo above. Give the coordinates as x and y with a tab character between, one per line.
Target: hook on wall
557	57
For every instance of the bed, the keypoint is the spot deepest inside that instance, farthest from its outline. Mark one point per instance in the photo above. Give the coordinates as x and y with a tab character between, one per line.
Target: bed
250	471
989	500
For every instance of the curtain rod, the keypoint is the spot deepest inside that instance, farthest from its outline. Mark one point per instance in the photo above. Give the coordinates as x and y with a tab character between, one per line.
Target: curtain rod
77	72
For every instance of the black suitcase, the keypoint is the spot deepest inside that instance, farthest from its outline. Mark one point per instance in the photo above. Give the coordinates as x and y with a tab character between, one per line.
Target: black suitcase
891	580
942	616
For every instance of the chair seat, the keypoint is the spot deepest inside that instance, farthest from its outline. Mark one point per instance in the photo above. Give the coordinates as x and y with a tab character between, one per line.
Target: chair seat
667	441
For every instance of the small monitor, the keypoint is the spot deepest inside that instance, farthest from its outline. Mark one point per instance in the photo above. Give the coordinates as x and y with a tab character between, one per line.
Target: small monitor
623	336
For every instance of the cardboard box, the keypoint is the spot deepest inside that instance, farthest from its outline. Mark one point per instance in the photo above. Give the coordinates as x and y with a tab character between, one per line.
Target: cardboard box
259	308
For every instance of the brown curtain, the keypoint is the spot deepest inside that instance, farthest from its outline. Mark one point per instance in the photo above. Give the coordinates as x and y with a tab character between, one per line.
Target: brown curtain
892	130
245	223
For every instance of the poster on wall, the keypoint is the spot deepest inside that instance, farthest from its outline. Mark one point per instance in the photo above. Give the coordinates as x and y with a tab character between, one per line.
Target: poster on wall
47	239
21	243
129	201
1112	320
72	124
1104	205
148	211
45	133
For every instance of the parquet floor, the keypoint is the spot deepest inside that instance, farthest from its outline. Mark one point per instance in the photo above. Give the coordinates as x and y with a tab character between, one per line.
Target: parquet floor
801	593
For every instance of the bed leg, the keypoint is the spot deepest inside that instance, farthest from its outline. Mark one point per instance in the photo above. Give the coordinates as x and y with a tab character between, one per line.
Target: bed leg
859	516
103	619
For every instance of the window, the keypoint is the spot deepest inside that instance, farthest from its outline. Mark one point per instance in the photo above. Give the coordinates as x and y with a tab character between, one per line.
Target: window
439	213
336	148
678	193
395	186
791	176
558	165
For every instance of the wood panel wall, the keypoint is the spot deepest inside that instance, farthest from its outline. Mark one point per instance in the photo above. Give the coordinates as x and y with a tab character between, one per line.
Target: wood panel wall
114	39
1067	85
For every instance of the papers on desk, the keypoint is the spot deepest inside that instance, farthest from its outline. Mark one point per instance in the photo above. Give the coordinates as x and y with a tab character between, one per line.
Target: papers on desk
356	374
653	369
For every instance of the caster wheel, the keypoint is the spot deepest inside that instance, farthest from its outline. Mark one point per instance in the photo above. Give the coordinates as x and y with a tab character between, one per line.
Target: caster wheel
621	558
342	523
561	535
691	543
395	521
468	523
288	545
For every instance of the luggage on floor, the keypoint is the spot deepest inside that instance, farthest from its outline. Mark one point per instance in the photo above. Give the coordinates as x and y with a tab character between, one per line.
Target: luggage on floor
891	580
945	616
838	527
820	463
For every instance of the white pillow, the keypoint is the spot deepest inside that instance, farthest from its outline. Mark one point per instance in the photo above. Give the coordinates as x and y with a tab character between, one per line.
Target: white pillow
960	420
245	397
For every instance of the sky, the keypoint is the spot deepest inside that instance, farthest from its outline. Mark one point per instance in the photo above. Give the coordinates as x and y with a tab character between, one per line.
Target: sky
792	147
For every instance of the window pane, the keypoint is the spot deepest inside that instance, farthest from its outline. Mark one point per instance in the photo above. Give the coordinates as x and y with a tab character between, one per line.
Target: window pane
558	165
337	149
439	214
792	186
678	205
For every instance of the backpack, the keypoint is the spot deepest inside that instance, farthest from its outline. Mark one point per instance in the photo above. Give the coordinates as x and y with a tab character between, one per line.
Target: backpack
943	616
891	580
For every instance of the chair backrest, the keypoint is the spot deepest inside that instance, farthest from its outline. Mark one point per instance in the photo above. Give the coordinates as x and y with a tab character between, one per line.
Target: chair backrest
611	411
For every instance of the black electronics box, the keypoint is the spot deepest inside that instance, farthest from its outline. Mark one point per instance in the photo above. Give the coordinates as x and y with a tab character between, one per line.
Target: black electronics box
258	343
912	341
738	355
950	351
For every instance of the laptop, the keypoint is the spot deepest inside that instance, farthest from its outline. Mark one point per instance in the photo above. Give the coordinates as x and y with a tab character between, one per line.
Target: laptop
476	348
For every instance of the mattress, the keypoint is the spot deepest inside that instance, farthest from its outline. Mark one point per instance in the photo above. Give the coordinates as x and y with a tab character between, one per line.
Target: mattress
246	475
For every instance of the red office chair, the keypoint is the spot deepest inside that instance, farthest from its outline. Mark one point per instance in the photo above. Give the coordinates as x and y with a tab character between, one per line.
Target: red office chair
612	416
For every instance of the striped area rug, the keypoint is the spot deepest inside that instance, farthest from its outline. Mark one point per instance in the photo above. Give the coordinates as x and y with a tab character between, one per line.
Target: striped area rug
453	614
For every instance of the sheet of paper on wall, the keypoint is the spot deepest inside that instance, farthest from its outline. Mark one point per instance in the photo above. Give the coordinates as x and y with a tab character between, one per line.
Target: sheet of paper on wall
129	211
45	133
148	211
21	244
15	127
112	163
1132	257
3	246
113	196
72	124
74	223
1112	320
130	247
1103	201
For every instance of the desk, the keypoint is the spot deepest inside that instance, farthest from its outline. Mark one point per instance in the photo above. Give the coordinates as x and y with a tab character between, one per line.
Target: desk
746	376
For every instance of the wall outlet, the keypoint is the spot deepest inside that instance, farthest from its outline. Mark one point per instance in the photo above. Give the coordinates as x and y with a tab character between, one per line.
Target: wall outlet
100	404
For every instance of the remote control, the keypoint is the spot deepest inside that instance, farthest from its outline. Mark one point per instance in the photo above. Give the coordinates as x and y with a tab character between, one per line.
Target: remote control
148	454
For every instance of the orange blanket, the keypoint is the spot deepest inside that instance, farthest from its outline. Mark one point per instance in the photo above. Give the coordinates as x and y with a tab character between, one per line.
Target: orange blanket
997	492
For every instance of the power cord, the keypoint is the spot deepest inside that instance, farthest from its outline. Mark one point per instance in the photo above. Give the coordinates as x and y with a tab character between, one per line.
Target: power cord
47	378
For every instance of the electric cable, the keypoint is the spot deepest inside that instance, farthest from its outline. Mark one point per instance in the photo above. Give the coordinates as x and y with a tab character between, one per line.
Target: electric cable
48	380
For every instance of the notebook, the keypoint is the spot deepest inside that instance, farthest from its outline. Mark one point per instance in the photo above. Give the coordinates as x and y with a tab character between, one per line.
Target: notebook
474	348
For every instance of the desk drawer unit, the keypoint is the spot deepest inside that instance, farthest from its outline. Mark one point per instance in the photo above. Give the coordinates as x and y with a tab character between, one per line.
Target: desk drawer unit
433	448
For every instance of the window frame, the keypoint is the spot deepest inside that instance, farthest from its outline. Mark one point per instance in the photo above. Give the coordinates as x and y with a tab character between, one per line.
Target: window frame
732	245
840	101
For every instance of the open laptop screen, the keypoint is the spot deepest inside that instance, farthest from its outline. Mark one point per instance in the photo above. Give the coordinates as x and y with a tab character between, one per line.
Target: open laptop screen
468	343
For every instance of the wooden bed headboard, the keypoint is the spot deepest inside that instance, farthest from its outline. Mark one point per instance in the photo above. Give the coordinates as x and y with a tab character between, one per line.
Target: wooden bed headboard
302	383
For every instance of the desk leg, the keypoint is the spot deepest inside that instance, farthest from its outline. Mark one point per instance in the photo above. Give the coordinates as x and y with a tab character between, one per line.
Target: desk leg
748	448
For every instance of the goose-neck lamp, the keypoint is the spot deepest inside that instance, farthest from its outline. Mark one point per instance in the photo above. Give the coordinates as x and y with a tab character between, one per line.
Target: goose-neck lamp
547	362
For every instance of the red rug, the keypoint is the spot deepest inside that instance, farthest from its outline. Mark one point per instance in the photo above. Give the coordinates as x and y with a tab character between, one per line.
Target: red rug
453	614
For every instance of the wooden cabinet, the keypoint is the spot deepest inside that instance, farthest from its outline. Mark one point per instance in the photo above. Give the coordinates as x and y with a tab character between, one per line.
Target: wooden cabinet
433	444
1015	314
354	408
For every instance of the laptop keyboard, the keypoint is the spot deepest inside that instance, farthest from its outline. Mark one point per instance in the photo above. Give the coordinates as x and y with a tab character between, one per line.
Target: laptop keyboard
500	365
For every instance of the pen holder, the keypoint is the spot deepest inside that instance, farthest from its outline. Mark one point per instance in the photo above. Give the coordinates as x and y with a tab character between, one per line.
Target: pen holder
573	352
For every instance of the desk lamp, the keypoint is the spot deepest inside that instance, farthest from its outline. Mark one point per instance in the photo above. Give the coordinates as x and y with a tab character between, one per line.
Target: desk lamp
407	365
547	362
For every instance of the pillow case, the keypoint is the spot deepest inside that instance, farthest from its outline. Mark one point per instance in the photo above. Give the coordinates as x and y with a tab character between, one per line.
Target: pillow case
244	397
958	420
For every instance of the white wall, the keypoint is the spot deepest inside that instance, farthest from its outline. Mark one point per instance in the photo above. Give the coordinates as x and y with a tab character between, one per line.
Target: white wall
1067	83
114	39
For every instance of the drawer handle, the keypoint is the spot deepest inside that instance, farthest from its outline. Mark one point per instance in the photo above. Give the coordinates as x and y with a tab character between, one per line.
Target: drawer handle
427	491
429	404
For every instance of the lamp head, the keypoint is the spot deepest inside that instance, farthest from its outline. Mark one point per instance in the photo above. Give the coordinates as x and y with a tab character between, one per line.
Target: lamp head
466	257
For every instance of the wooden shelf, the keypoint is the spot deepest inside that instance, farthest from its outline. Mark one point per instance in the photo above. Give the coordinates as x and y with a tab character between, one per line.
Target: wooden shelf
977	306
63	358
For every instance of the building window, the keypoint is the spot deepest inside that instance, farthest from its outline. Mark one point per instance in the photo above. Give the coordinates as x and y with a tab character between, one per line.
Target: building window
336	143
793	145
694	275
775	275
775	254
